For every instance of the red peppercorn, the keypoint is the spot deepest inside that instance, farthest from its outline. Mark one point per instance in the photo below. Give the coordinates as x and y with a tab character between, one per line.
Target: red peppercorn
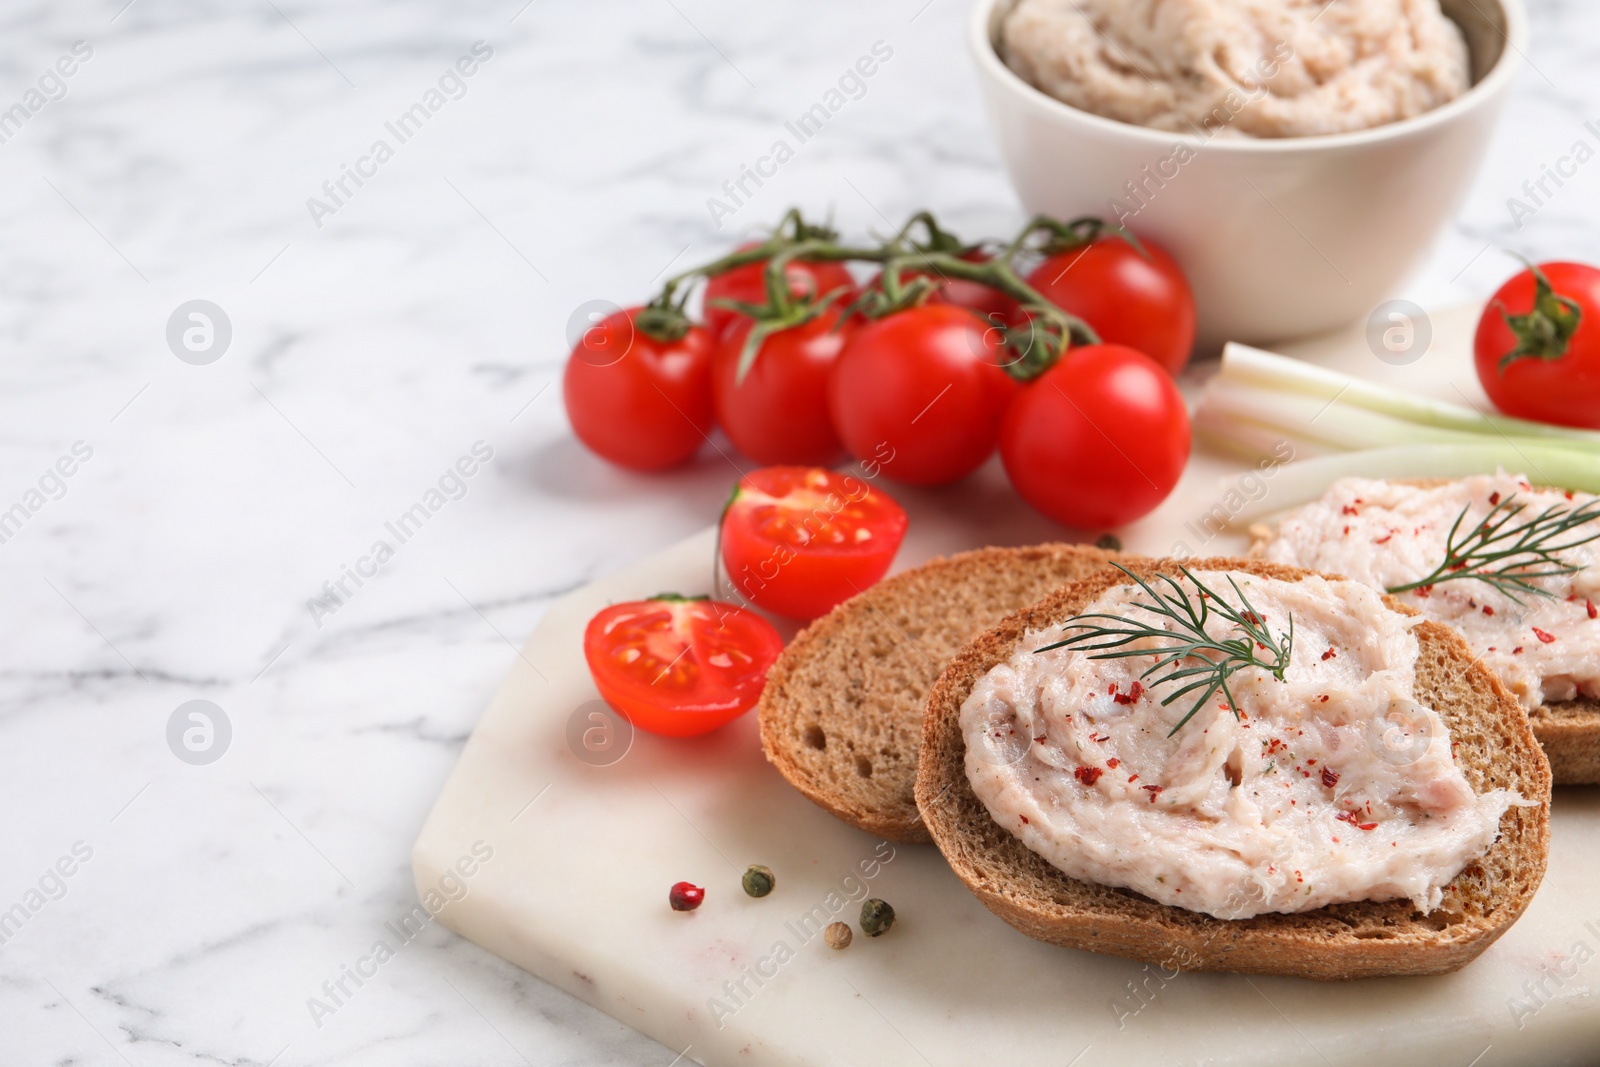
686	896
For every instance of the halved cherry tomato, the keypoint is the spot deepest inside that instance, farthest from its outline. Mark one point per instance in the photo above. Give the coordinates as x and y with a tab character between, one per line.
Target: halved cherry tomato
1545	362
798	540
919	394
1133	298
748	285
779	413
641	403
1098	440
680	666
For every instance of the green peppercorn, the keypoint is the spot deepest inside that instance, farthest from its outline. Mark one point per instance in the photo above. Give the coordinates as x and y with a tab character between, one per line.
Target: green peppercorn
1109	541
876	917
758	880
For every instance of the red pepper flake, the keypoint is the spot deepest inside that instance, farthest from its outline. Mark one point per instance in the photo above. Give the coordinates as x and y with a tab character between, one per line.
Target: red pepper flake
1251	616
1347	531
1423	590
1354	820
1152	790
1041	739
1542	636
1024	819
1517	651
1311	763
1130	696
1087	775
1113	763
1133	778
1097	739
1299	877
1112	691
1494	498
1384	539
1323	698
1330	654
1348	510
1569	494
1589	604
1487	610
1330	777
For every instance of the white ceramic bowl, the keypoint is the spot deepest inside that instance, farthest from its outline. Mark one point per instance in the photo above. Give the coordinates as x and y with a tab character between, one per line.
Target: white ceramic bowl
1279	237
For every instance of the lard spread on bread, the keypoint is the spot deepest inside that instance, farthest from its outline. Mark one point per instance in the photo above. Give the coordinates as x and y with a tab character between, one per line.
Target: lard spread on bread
1330	785
1545	649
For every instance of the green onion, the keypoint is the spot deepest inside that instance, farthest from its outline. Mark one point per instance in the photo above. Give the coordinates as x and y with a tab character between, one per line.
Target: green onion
1542	462
1243	365
1339	426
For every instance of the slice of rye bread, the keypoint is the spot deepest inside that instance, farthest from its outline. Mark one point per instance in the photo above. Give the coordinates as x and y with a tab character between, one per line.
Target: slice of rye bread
1569	730
1494	746
841	714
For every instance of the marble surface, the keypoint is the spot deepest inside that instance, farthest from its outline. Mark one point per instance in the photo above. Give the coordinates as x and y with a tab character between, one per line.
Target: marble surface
207	904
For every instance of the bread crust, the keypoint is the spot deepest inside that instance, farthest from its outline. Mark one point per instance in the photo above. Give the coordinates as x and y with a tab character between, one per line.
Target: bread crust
1569	730
1495	747
848	692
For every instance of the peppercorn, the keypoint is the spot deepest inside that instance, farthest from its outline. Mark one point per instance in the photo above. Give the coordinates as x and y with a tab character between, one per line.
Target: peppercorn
1109	541
837	935
758	880
685	896
876	917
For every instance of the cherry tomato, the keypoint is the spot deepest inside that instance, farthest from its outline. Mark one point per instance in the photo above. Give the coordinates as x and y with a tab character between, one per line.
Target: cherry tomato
1144	303
641	403
748	285
1556	381
796	540
1098	440
992	305
779	413
919	394
680	666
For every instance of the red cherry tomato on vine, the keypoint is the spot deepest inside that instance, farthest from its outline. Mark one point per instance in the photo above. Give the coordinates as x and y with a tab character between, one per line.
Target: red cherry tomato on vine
641	403
796	540
1556	381
919	394
779	412
1098	440
748	285
680	666
1142	301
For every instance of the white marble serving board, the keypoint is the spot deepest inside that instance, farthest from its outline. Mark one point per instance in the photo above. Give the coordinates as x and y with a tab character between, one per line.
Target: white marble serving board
575	890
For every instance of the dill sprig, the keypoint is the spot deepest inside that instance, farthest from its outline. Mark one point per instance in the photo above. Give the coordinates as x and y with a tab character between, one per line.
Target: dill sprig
1194	656
1510	557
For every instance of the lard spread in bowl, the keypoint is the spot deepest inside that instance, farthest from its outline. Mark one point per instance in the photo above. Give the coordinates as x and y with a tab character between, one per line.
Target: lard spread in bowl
1267	68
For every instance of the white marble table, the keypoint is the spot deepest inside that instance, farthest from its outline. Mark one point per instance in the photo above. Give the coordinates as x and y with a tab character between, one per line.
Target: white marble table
208	903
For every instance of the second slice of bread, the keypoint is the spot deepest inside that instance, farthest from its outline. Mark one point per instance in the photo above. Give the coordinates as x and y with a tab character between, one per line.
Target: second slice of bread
841	714
1569	730
1494	746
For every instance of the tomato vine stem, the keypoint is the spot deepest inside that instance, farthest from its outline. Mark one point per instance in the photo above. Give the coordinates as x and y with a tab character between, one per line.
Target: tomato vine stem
1042	336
